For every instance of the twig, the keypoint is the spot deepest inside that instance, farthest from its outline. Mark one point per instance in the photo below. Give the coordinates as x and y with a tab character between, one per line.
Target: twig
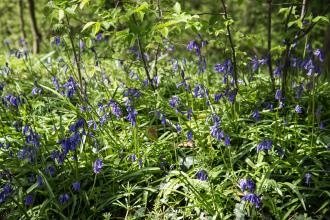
231	44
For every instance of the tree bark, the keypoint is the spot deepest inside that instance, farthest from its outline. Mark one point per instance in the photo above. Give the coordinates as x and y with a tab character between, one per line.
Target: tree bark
21	18
35	32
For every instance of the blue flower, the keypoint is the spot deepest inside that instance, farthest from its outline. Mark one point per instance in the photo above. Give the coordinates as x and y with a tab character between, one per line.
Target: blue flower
174	101
189	135
253	199
256	115
28	200
227	140
63	198
243	184
265	145
278	94
55	83
70	86
318	53
76	186
115	108
189	113
201	175
308	177
217	97
98	164
250	184
178	127
99	36
298	109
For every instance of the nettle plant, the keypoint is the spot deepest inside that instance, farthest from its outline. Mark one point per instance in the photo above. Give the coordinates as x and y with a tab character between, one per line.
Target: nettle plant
134	117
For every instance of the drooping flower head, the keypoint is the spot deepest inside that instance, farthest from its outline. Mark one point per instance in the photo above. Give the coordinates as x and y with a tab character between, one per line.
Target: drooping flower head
253	199
97	166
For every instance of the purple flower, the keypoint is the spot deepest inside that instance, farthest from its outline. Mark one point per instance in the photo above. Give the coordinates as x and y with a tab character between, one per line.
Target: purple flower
97	166
318	53
322	125
256	115
63	198
308	177
243	184
298	109
217	97
227	140
265	145
36	90
39	180
250	185
57	40
255	63
174	101
278	71
28	200
55	82
189	113
178	127
76	186
278	94
189	135
253	199
201	175
99	36
163	120
70	86
81	44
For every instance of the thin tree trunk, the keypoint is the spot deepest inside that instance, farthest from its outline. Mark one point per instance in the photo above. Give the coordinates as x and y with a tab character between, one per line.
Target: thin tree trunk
270	68
21	18
35	32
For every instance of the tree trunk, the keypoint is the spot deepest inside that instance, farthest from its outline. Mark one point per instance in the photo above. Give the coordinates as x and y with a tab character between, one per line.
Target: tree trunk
21	18
35	32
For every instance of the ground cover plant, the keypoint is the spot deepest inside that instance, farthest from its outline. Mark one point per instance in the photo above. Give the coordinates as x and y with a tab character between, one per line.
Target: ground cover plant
164	110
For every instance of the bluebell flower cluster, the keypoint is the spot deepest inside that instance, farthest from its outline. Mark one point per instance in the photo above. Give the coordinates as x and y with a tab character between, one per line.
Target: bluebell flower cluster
248	184
202	175
201	91
132	113
97	166
226	68
5	193
63	198
28	200
76	186
11	100
265	145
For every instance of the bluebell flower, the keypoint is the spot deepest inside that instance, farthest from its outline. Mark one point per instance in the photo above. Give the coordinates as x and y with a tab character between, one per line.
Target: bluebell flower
189	135
217	97
70	86
278	94
216	132
57	40
227	140
253	199
264	145
50	170
81	44
140	162
132	92
243	184
255	63
174	101
98	164
79	124
76	186
250	185
322	125
189	113
163	120
256	115
132	113
36	91
202	175
63	198
308	177
28	200
99	36
278	71
55	83
39	181
318	53
178	127
298	109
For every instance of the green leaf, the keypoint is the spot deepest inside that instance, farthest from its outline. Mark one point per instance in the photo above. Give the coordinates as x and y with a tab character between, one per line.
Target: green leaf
60	15
164	32
320	19
177	8
88	25
96	28
296	191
